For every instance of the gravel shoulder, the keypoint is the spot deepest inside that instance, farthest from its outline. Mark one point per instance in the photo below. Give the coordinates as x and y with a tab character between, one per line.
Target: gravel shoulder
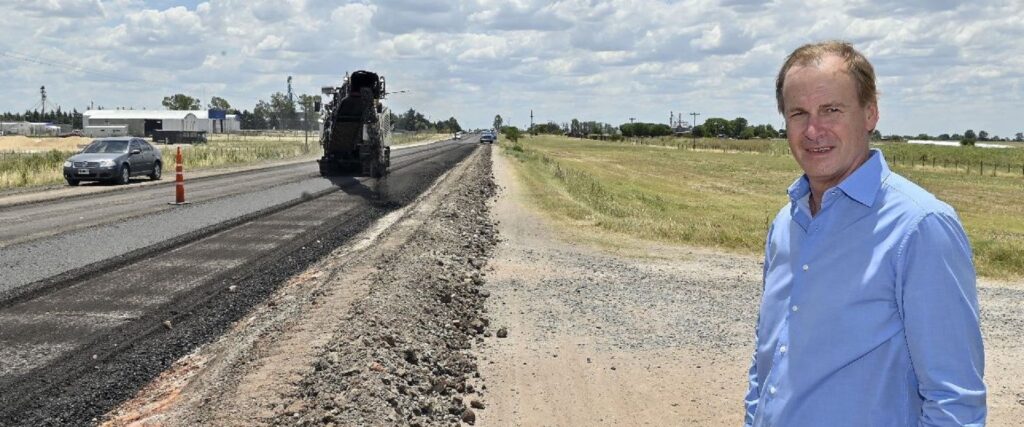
637	333
378	332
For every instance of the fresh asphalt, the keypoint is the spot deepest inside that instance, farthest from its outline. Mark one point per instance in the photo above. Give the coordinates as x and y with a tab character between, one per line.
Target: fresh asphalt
82	320
43	240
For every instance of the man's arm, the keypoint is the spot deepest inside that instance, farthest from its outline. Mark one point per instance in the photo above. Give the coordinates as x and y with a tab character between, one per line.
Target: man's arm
753	393
750	401
940	316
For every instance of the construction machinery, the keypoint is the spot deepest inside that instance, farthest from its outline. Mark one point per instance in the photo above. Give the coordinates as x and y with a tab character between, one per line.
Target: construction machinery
356	135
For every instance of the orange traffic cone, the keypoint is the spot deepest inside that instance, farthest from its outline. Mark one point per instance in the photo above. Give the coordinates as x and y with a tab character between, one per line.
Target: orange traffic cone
179	181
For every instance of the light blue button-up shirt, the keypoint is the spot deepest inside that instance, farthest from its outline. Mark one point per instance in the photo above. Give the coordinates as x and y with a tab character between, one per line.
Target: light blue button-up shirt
870	312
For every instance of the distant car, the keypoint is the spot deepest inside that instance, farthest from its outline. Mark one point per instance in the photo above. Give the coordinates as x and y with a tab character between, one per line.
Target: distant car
114	159
487	138
458	135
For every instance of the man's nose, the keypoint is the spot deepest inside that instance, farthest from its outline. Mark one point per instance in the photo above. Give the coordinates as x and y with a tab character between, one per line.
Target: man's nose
814	129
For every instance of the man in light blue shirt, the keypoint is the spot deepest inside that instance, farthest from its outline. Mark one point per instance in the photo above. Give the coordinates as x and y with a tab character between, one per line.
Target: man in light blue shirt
870	312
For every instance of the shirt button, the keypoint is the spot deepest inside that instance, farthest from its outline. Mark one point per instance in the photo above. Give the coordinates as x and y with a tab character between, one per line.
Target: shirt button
795	308
782	349
772	389
806	267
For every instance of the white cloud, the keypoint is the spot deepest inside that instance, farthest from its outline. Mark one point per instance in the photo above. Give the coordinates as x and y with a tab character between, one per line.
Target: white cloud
62	8
565	58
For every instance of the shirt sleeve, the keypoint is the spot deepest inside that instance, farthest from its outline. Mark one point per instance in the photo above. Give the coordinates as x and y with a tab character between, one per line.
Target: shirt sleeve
753	394
750	401
939	305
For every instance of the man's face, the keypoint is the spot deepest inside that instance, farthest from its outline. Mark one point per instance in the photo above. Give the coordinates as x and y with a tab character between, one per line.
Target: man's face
826	126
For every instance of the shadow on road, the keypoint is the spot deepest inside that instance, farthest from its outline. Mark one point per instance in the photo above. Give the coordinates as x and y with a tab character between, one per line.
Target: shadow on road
373	191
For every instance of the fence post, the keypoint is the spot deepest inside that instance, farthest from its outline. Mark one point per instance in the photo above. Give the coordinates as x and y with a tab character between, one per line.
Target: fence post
981	168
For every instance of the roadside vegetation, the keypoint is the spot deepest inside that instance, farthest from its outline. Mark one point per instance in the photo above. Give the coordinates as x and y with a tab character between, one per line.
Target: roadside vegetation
724	193
26	168
406	138
24	165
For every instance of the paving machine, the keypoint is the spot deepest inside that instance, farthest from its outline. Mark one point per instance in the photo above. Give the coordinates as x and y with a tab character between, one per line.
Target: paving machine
356	133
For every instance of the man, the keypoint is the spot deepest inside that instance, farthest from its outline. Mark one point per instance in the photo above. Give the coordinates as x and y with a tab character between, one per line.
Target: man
870	314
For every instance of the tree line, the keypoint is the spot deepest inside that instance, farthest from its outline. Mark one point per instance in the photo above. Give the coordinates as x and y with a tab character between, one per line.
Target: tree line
280	113
969	137
56	116
414	121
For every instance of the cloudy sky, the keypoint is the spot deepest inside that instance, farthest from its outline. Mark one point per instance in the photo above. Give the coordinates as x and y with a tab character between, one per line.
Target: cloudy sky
944	65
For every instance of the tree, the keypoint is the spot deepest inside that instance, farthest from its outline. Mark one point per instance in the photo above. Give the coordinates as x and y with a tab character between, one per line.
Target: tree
969	134
180	101
1019	137
943	137
736	127
574	128
284	111
263	116
448	126
218	103
412	121
511	132
498	122
308	104
982	136
747	133
715	126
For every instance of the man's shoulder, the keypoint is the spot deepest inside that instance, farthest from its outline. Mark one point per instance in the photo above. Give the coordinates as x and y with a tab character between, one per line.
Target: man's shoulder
784	214
900	195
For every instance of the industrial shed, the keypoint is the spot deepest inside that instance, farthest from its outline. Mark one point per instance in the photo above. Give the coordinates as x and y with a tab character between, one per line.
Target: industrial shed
145	123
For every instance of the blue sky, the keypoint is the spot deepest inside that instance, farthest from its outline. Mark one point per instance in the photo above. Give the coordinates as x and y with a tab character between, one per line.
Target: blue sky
943	66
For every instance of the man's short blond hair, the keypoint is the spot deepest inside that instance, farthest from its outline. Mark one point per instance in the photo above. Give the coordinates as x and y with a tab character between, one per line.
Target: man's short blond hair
856	64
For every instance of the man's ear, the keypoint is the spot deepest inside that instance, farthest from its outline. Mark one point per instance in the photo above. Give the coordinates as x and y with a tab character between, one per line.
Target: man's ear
871	116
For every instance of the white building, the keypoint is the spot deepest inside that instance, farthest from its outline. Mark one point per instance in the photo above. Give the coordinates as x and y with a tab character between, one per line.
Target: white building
144	122
29	129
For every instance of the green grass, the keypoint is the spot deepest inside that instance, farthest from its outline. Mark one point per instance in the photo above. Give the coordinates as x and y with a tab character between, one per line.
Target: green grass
31	169
726	198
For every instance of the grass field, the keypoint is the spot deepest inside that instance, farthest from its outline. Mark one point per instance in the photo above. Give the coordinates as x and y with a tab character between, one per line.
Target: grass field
37	161
725	196
22	164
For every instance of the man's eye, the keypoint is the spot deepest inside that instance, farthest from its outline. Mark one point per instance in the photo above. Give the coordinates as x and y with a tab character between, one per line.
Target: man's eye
832	110
796	114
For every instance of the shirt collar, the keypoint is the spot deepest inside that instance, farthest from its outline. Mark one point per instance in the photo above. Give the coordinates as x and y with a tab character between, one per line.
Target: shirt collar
862	185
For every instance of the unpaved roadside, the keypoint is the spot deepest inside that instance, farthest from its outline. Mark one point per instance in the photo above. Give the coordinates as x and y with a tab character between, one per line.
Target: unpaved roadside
650	334
378	332
598	338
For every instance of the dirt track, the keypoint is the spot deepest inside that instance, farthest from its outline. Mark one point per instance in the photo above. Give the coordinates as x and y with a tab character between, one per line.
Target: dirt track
654	335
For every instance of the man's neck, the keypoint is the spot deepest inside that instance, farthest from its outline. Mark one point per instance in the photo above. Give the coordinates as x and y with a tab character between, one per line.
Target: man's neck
814	202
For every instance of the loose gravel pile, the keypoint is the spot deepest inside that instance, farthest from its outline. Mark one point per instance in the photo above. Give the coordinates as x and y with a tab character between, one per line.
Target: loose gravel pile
404	356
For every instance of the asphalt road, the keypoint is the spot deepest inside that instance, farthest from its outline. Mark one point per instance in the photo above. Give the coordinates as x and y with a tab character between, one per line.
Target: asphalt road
42	240
124	284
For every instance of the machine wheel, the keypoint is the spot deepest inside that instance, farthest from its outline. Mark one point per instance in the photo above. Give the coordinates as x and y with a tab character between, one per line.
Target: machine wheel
125	175
157	170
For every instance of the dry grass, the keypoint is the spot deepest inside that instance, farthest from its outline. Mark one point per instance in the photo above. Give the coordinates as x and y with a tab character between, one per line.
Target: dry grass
726	198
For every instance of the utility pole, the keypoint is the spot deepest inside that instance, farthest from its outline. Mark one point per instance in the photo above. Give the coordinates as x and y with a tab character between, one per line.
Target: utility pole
531	122
632	119
693	128
42	91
